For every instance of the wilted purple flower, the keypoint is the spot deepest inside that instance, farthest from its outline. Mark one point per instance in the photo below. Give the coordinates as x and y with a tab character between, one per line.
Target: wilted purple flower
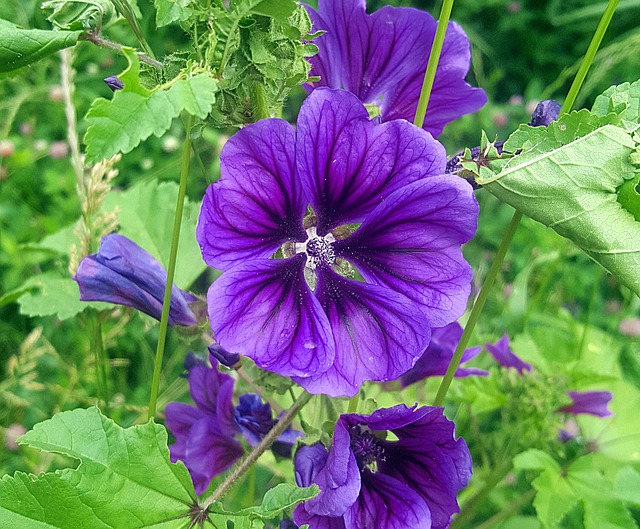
366	481
502	353
546	111
223	356
436	358
306	315
205	434
382	58
589	402
123	273
114	83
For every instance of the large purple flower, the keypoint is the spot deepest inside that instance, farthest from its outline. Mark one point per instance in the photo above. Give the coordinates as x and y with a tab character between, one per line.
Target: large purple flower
123	273
366	272
436	358
367	481
205	434
382	57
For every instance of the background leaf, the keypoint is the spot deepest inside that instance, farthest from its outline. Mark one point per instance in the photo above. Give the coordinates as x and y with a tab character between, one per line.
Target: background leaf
21	47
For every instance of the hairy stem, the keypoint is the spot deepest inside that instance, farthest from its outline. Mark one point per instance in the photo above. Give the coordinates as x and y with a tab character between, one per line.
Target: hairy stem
262	447
166	304
96	39
432	65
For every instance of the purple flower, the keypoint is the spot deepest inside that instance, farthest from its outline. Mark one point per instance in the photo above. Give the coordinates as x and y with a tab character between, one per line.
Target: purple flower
367	481
114	83
307	315
205	434
502	353
546	111
123	273
589	402
436	358
382	58
223	356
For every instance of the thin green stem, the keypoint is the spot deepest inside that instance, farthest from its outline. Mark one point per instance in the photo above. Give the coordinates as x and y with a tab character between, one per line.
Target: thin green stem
432	65
589	56
123	7
510	509
477	308
515	220
97	346
262	447
166	304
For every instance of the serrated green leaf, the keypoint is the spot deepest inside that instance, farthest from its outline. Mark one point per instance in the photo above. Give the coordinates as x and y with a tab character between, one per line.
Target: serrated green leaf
535	459
21	47
135	113
624	100
168	11
79	14
279	9
125	478
145	215
570	183
52	295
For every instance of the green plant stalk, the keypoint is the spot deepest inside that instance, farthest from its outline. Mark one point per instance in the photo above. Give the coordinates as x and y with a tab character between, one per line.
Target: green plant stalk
97	346
123	7
432	65
509	510
517	216
166	303
262	447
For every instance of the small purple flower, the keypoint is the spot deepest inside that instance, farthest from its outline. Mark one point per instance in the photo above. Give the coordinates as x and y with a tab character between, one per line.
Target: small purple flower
502	353
366	481
364	274
114	83
589	402
546	111
123	273
223	356
436	358
205	434
382	58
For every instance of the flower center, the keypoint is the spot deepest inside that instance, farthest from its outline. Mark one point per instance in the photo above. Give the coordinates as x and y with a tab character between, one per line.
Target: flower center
319	251
367	448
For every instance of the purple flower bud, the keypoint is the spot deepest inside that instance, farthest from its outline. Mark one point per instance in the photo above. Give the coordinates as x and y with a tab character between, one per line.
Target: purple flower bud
546	112
223	356
589	402
308	462
123	273
114	83
502	353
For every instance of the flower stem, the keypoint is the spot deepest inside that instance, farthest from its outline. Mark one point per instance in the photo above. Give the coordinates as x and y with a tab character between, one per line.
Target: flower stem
477	308
96	39
589	56
432	65
166	304
97	346
253	456
515	220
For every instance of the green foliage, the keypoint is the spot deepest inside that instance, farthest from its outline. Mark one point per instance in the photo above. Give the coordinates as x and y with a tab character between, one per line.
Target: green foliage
583	481
567	177
79	14
145	215
21	47
623	100
135	113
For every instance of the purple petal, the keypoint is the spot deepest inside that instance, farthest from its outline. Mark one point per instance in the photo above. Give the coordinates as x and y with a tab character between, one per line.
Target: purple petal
378	335
209	452
114	83
123	273
258	203
223	356
308	462
387	418
429	458
412	243
347	164
254	418
546	112
502	353
339	480
384	56
589	402
264	309
436	358
180	418
389	503
212	393
301	516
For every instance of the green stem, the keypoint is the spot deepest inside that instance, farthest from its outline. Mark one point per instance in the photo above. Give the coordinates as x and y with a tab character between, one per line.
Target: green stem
166	304
262	447
589	56
510	509
477	308
353	403
502	250
97	346
123	7
432	65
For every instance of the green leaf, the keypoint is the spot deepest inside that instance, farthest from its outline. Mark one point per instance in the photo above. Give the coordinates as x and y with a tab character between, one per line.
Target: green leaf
168	11
135	113
145	214
281	497
79	14
278	9
124	479
535	459
21	47
567	178
624	100
52	295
